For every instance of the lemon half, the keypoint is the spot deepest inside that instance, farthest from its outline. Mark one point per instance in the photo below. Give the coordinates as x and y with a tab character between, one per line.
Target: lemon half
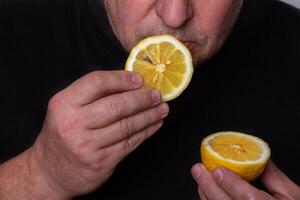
241	153
164	62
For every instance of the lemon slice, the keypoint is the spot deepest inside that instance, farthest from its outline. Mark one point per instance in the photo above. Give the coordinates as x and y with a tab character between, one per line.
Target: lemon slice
241	153
164	62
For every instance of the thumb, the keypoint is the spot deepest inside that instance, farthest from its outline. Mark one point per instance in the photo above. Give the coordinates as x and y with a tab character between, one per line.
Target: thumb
277	183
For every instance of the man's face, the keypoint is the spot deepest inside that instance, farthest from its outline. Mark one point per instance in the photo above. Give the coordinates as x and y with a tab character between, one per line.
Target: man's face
202	25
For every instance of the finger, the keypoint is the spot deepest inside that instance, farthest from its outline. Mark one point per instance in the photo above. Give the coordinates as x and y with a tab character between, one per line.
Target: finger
207	184
116	107
202	194
236	187
126	127
100	83
278	183
120	150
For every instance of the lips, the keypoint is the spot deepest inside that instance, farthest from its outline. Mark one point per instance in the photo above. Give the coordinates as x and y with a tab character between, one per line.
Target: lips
189	45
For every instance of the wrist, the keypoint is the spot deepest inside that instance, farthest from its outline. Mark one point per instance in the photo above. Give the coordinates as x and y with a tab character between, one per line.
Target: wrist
21	179
46	186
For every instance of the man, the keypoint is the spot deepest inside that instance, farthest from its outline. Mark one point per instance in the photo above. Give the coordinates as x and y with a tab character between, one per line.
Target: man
65	52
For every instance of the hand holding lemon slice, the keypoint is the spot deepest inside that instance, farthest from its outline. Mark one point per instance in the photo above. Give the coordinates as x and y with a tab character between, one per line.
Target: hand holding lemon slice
164	62
241	153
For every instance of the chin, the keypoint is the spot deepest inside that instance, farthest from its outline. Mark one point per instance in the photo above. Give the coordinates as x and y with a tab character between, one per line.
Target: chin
200	57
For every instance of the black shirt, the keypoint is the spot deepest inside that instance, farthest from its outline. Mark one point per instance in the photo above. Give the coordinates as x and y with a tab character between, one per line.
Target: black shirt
252	85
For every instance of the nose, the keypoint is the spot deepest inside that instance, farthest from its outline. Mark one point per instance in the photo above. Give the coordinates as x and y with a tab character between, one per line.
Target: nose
174	13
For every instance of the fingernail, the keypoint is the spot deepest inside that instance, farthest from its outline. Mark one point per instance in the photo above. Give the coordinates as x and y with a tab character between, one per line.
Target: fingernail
137	79
164	109
156	97
218	175
197	171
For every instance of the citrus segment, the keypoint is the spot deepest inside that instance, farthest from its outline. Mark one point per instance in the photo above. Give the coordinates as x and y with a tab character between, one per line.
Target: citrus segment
164	62
241	153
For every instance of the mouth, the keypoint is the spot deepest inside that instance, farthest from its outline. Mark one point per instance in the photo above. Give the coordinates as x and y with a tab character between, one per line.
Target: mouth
190	45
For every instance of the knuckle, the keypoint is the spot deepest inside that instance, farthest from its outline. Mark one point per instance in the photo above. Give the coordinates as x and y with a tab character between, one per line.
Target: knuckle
81	155
113	107
96	78
277	172
154	116
68	126
103	156
250	196
80	149
144	97
96	166
100	163
126	78
125	127
148	132
289	195
206	185
131	143
56	101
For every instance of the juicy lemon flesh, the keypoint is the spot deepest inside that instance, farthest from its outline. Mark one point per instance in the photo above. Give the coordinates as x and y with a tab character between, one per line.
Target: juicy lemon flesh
162	65
236	147
237	153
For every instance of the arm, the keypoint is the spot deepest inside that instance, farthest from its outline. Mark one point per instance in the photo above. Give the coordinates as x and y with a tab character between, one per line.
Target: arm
21	179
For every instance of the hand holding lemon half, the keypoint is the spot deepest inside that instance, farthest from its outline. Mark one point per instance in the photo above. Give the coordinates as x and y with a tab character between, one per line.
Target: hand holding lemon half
241	153
164	62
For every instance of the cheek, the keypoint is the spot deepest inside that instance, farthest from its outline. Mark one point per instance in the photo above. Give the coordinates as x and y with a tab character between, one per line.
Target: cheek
128	35
215	15
131	13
